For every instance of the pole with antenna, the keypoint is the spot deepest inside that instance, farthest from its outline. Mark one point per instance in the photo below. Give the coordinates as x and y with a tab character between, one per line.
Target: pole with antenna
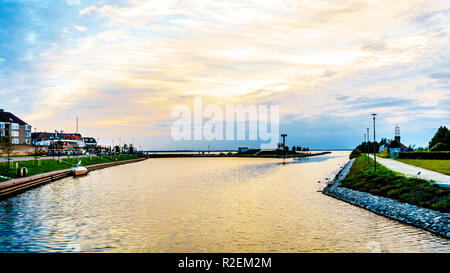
367	146
374	146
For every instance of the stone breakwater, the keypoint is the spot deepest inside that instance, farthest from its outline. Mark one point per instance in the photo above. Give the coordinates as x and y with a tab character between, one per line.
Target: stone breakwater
428	219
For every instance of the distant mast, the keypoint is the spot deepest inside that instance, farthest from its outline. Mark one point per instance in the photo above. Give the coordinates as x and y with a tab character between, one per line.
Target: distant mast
77	125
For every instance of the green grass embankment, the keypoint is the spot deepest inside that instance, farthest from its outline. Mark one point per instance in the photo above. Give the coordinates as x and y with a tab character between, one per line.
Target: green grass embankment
437	165
383	155
390	184
49	165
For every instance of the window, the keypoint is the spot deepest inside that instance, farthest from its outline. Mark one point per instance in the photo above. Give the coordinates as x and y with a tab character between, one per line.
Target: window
27	134
2	126
27	127
2	133
14	133
15	141
15	126
27	141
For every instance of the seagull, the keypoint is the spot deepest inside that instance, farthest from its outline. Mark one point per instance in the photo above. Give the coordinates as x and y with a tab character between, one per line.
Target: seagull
418	173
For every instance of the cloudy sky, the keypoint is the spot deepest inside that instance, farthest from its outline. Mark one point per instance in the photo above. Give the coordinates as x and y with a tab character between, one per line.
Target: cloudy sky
121	66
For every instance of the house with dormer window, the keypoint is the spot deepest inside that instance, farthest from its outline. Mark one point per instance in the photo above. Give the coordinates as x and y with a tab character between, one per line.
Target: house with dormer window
17	129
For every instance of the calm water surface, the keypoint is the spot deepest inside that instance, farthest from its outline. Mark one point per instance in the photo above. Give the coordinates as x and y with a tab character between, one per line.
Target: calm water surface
202	205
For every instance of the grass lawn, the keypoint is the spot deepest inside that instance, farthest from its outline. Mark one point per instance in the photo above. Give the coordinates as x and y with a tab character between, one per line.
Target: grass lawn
383	155
388	183
437	165
49	165
14	156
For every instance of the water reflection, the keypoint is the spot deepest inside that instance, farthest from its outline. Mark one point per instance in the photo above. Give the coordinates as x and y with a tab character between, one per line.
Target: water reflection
313	159
202	205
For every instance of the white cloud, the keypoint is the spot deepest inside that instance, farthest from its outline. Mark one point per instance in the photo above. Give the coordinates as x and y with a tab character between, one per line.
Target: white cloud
301	54
80	28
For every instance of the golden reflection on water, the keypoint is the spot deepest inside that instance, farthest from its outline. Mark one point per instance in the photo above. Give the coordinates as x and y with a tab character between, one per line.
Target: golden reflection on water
203	205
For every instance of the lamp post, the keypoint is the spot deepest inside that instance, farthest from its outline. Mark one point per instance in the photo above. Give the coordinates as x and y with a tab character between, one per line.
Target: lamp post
35	146
367	146
374	146
365	140
284	139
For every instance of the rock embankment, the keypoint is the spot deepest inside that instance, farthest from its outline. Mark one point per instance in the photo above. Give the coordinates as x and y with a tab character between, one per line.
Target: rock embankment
428	219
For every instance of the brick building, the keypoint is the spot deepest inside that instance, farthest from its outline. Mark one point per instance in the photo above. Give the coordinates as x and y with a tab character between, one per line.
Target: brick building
17	129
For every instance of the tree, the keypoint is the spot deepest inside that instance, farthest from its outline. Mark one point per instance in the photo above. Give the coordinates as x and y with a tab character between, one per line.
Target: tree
117	149
98	149
395	144
7	147
293	149
364	146
383	141
440	140
355	153
35	152
131	150
59	147
421	149
52	148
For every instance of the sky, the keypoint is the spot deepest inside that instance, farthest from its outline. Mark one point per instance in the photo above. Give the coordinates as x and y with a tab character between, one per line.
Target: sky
122	66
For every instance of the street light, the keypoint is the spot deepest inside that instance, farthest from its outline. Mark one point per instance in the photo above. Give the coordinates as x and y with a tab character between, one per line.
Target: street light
367	146
365	140
374	146
35	145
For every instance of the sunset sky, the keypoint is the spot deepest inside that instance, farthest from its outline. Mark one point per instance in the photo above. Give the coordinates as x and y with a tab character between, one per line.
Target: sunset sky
121	66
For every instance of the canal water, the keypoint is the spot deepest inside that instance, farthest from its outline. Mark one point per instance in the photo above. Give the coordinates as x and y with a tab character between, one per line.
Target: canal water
202	205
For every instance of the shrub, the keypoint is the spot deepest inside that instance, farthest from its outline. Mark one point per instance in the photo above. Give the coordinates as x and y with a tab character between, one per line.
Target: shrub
355	153
424	155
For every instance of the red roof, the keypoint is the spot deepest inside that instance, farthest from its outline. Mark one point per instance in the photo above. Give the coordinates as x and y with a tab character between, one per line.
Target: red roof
44	135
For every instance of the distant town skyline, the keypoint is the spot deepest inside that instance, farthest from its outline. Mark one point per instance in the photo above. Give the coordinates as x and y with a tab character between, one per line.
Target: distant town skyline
121	66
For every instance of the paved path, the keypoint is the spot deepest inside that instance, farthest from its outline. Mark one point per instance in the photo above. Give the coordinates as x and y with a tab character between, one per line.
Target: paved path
412	171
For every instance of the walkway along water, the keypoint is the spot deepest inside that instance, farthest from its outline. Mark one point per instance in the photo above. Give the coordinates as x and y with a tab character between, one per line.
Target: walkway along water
431	220
414	171
18	185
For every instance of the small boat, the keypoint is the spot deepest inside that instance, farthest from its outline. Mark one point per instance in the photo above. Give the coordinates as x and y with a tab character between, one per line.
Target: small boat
78	170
